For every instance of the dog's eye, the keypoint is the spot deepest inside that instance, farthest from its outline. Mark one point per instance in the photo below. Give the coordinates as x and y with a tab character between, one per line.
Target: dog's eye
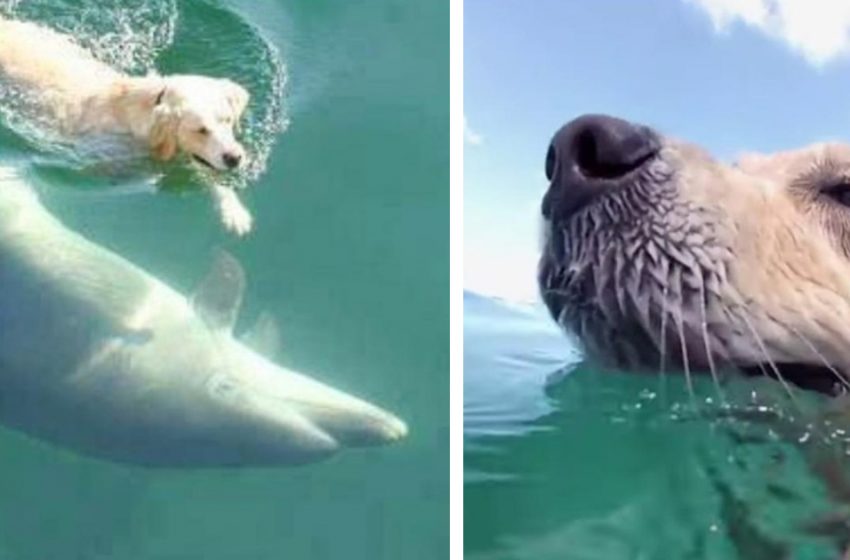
203	130
839	192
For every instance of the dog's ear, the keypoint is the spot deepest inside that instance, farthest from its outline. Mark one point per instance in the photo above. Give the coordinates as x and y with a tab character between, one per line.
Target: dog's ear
142	95
163	134
237	99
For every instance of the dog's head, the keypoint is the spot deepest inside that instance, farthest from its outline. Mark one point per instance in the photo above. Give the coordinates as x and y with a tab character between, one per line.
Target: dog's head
199	115
657	255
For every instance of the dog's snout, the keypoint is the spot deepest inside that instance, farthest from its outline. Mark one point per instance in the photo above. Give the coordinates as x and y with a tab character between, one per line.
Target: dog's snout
232	160
593	153
608	148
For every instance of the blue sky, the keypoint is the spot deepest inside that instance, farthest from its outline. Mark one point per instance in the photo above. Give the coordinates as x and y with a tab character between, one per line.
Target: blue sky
732	75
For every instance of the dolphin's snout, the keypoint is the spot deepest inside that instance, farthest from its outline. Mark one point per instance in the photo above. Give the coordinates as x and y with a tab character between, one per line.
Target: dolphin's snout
302	413
352	422
395	429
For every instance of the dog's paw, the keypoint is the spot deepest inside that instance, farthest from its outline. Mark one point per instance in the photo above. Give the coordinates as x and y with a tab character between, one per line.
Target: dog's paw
235	217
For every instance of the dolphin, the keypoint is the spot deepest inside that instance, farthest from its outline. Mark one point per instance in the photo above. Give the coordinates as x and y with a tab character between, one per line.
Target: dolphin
101	357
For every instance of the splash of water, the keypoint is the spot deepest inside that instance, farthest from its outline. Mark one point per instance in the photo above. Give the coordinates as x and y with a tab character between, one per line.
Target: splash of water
134	36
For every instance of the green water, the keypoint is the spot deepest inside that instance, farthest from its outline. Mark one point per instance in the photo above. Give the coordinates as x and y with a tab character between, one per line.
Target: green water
348	125
567	461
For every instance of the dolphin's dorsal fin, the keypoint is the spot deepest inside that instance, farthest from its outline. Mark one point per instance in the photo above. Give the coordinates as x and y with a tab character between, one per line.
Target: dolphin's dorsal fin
218	297
264	336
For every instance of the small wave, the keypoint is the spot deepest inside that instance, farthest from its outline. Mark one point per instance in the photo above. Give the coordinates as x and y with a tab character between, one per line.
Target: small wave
510	353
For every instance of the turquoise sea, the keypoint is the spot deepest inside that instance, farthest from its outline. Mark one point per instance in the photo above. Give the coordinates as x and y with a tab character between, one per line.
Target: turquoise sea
565	461
349	186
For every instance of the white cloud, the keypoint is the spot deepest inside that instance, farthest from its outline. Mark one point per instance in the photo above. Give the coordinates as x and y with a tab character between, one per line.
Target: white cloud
817	29
470	136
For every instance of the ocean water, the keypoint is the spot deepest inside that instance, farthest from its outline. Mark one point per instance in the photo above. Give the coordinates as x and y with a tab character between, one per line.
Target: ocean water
564	461
348	183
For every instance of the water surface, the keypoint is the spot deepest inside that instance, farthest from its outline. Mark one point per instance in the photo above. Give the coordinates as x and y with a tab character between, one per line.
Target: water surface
565	461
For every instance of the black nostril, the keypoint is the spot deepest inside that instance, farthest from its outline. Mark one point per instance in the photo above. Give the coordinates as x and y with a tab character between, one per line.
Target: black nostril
608	148
550	163
588	154
231	160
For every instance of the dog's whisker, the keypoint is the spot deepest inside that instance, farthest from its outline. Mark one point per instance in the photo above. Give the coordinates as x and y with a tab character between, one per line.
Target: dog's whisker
771	363
838	375
708	350
678	319
662	378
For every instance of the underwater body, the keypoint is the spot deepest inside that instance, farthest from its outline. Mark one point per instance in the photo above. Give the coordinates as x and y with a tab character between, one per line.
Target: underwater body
102	357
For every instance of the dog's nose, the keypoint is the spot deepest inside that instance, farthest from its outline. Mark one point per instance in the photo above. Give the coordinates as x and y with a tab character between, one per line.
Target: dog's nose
232	160
591	154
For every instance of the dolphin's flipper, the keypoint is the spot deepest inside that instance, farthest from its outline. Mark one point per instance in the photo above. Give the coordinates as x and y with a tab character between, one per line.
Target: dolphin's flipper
219	295
264	336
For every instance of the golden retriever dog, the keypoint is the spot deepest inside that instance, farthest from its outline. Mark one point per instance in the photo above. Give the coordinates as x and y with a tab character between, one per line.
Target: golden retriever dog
195	115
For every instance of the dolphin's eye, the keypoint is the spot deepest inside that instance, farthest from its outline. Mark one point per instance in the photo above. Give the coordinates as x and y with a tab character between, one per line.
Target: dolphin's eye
839	192
203	131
